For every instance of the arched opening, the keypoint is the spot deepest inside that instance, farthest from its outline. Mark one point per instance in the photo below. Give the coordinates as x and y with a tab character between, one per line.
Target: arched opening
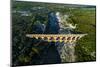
63	38
51	38
77	38
45	38
73	38
39	38
68	38
57	38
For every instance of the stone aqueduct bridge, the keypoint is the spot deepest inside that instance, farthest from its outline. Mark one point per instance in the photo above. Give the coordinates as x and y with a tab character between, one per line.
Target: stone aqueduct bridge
66	38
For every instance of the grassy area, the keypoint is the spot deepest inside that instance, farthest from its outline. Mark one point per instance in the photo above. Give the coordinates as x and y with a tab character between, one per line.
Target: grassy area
86	48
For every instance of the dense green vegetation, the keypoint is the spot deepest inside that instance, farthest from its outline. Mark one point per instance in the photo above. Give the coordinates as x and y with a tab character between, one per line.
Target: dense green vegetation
27	51
87	45
86	20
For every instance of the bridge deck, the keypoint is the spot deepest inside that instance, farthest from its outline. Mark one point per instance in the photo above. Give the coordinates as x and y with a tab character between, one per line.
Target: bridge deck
57	37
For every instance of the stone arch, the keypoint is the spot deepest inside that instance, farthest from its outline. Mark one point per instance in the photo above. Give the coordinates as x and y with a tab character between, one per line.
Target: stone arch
73	38
77	38
57	38
45	38
63	38
51	38
69	38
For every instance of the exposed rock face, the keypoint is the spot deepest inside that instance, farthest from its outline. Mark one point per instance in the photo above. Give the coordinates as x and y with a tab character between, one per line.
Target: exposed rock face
66	50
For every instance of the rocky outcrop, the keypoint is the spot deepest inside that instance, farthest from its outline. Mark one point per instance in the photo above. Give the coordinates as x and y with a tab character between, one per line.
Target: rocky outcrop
67	52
